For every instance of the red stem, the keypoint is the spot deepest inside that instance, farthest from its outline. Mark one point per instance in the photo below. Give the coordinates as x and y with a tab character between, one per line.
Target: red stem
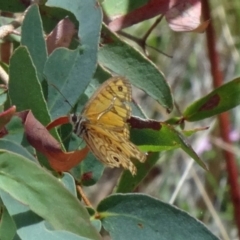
224	121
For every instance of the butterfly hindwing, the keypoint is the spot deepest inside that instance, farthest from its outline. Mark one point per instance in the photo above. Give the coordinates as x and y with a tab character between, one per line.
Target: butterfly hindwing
111	149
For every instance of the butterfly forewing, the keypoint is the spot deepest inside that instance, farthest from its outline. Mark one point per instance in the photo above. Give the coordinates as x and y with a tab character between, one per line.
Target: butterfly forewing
109	105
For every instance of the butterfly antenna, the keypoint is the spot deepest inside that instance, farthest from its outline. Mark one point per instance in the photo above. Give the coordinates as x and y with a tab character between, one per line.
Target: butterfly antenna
61	94
69	134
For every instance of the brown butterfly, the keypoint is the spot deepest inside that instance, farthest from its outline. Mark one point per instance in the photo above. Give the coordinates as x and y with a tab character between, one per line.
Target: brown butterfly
102	124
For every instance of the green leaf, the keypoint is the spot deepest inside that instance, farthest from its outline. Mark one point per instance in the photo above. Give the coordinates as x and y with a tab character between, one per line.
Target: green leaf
24	88
15	140
14	147
101	74
121	7
218	101
61	71
150	140
15	130
77	67
69	183
124	60
137	216
3	96
12	6
128	183
89	171
14	207
97	224
33	39
45	195
166	138
31	226
7	225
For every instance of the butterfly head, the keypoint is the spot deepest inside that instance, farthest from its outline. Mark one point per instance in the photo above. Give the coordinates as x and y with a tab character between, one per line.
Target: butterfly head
78	123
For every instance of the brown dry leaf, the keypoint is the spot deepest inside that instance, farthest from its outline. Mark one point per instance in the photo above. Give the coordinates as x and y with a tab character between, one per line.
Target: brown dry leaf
186	16
39	137
5	117
182	15
202	27
149	10
57	122
140	123
61	36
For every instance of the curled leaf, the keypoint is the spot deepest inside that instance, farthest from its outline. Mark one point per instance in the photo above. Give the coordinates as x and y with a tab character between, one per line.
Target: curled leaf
61	36
57	122
39	137
5	118
186	16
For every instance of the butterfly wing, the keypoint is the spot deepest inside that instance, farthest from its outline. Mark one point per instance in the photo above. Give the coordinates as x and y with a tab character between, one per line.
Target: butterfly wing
109	106
103	126
112	149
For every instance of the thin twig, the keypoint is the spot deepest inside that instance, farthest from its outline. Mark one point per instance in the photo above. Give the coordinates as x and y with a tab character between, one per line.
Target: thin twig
226	146
9	28
129	36
209	205
181	182
206	199
84	197
152	28
158	50
142	43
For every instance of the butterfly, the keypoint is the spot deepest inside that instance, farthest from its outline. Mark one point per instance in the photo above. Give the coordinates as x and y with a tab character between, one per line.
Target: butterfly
103	125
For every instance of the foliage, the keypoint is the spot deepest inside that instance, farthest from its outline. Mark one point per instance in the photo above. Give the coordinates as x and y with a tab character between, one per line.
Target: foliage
39	202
